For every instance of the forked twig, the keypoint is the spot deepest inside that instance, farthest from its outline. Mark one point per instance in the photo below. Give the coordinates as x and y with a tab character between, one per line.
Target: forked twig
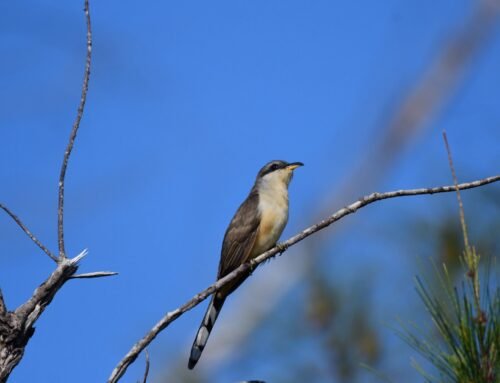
17	327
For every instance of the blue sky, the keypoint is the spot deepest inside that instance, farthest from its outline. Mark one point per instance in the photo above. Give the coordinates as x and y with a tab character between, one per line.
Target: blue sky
187	100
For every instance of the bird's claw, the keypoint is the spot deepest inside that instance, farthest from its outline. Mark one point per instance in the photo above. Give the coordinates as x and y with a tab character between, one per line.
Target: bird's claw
281	247
252	268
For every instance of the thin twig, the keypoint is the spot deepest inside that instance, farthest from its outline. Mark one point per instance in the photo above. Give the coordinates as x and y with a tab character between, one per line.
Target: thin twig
72	137
469	255
28	232
96	274
169	317
459	198
146	372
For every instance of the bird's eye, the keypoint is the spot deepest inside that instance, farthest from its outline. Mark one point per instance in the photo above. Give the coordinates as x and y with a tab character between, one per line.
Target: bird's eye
274	167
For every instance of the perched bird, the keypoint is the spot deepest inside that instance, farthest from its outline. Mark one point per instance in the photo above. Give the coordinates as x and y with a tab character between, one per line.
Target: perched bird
254	229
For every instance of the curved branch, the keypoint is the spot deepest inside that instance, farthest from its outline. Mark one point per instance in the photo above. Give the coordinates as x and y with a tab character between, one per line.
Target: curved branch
169	317
28	232
72	137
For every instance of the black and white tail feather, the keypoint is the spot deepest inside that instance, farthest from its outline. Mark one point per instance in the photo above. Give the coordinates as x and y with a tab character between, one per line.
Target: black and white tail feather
206	326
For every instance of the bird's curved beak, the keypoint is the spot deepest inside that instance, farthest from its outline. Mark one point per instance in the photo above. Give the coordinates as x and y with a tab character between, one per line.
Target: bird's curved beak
294	165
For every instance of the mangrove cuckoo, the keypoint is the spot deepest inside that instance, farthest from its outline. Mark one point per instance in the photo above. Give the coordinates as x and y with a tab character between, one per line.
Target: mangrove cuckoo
254	229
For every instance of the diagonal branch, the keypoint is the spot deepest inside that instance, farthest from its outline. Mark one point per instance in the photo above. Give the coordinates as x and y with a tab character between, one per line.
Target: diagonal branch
169	317
72	137
17	327
29	312
28	232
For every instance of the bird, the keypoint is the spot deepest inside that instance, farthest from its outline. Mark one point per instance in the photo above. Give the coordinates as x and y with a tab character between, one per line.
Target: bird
255	228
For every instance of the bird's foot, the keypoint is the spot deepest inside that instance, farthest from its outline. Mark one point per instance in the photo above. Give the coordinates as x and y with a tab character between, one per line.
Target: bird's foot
281	247
253	266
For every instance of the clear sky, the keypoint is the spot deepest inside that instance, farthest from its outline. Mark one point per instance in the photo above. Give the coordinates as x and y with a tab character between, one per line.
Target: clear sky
187	100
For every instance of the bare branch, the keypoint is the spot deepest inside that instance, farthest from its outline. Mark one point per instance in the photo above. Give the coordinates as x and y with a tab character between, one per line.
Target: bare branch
28	232
72	137
31	310
18	326
96	274
169	317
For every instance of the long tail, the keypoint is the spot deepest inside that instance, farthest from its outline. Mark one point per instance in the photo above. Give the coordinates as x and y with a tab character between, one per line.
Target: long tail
205	328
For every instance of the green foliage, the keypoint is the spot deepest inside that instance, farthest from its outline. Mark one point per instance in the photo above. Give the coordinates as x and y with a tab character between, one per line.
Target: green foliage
468	323
467	319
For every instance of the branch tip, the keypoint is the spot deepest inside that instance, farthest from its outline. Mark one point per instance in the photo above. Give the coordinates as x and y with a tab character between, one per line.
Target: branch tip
80	256
96	274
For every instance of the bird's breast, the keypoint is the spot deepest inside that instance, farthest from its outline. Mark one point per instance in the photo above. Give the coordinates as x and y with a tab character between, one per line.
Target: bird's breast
273	209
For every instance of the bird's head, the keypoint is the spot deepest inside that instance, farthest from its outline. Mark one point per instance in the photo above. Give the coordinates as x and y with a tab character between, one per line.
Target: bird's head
277	172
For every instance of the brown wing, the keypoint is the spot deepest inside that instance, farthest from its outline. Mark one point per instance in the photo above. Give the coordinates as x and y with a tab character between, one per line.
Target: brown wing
240	235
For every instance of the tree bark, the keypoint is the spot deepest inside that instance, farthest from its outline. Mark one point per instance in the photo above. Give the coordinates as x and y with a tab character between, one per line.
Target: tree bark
13	341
